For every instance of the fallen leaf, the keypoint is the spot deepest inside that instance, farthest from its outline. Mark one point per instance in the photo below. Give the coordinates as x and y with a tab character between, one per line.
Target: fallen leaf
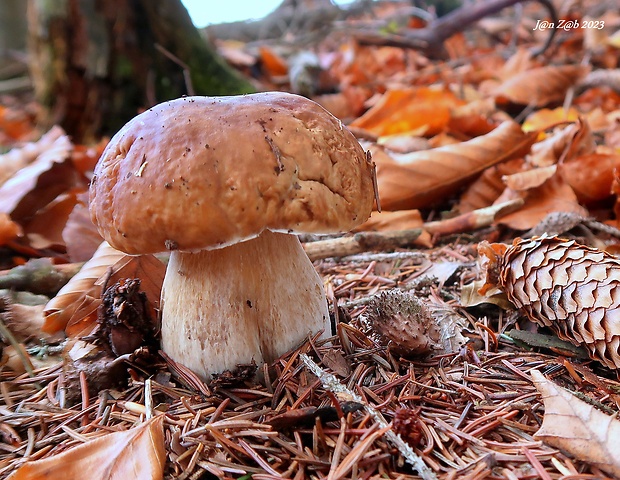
9	230
577	428
565	143
591	176
399	220
555	195
545	118
530	178
44	229
272	63
60	309
427	177
540	86
80	235
487	188
424	110
18	158
37	184
137	453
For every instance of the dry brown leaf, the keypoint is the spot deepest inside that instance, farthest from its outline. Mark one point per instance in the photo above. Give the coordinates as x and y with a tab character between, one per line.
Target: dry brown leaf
431	176
9	230
80	234
540	86
424	110
61	308
137	453
147	268
530	178
44	229
573	140
37	184
546	118
555	195
487	188
400	220
18	158
591	176
578	428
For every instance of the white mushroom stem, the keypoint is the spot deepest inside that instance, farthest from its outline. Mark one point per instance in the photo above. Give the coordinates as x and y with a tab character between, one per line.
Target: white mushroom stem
252	301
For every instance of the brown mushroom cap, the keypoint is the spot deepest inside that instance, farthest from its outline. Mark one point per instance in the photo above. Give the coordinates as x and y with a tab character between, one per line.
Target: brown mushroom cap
205	172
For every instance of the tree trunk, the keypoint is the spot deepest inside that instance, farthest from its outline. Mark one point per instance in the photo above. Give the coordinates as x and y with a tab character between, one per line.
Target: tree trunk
12	31
96	64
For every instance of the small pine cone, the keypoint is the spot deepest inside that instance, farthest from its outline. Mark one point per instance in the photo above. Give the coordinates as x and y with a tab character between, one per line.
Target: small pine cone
557	283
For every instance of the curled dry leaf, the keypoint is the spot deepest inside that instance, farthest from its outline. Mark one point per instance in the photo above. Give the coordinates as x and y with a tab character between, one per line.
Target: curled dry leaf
424	110
79	233
81	289
577	428
566	143
591	176
137	453
44	229
9	230
545	118
431	176
530	178
18	158
555	195
487	188
540	86
37	184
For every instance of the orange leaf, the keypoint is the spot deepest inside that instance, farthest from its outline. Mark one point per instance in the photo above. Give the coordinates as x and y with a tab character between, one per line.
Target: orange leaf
80	234
37	184
273	64
591	176
9	230
401	220
60	309
573	140
138	453
44	229
540	86
530	178
545	118
555	195
483	191
424	110
427	177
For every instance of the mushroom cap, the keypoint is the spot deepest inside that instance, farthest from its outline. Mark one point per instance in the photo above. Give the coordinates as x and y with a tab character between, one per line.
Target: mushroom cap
205	172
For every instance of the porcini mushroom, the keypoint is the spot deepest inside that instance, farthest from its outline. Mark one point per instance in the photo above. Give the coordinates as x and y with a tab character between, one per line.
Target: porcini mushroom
225	183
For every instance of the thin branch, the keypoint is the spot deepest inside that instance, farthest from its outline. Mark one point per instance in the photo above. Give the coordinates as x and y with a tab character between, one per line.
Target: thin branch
332	383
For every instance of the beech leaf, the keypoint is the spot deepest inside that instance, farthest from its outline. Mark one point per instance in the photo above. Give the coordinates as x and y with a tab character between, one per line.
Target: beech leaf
578	428
60	309
427	177
540	86
424	110
18	158
137	453
37	184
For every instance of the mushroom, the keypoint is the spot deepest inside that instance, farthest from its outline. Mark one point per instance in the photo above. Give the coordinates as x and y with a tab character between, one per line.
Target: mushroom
225	184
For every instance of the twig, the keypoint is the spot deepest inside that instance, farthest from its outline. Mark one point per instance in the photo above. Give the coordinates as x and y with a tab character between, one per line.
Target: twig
332	383
23	356
361	242
189	86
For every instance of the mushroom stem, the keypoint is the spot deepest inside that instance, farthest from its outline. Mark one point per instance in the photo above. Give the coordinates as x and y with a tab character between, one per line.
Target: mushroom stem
251	301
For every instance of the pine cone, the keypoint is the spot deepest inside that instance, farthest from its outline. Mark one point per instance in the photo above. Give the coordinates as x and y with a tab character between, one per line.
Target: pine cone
571	288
